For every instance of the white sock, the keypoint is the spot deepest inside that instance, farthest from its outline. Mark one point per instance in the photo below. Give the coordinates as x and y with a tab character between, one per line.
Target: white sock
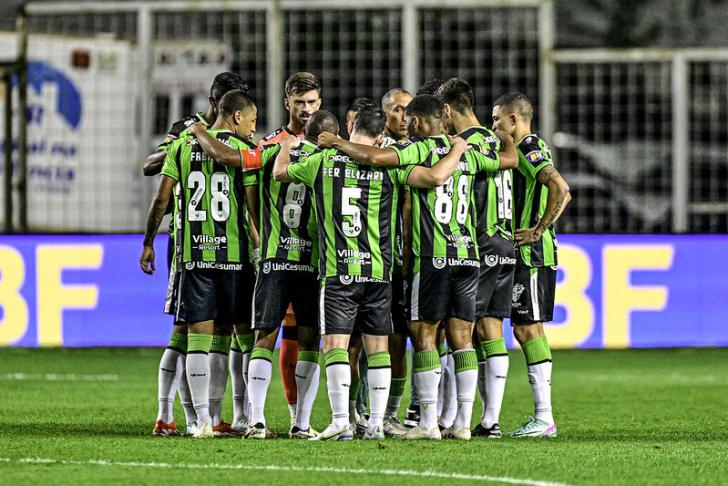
482	389
185	396
495	383
238	384
449	403
378	386
338	381
218	383
540	378
259	374
246	365
292	410
198	377
353	414
171	368
308	375
441	385
466	381
427	382
246	401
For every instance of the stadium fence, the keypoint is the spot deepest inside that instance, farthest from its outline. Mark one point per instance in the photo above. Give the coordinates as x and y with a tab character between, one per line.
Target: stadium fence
637	133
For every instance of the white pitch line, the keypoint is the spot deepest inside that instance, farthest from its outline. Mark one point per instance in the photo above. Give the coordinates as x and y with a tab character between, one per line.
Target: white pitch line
56	377
277	468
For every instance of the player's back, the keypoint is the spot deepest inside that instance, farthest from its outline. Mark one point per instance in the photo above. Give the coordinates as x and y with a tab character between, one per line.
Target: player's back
442	217
211	205
355	214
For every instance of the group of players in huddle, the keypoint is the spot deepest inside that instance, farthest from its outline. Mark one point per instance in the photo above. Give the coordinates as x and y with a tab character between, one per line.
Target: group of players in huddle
422	223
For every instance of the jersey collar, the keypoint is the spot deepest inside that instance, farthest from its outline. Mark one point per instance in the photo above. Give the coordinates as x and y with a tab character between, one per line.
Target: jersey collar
201	117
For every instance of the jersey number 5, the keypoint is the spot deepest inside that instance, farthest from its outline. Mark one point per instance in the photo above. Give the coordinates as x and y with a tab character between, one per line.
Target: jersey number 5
219	200
353	228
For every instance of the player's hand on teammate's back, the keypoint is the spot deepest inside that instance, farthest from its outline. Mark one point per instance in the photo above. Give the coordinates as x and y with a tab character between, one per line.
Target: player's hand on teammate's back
195	128
326	139
527	236
147	260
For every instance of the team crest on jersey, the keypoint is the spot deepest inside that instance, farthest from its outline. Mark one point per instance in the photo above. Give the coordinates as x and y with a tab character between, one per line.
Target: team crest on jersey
518	291
491	260
266	267
535	156
346	279
439	263
189	266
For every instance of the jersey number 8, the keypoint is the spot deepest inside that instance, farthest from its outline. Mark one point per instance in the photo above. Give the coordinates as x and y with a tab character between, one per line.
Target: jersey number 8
443	201
295	195
219	200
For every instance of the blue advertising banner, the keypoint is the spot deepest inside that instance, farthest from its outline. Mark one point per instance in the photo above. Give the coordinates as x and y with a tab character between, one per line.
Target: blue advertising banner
613	292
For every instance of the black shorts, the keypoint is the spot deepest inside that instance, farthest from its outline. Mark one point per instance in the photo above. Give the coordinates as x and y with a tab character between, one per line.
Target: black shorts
534	290
400	315
206	294
495	286
444	288
349	303
170	300
281	283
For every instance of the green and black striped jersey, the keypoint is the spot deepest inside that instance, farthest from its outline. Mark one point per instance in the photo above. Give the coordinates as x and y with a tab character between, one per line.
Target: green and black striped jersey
492	190
355	211
287	216
443	218
179	129
529	200
211	203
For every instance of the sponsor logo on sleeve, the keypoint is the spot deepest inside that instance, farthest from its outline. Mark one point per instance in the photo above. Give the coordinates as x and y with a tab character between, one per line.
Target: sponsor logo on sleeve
535	156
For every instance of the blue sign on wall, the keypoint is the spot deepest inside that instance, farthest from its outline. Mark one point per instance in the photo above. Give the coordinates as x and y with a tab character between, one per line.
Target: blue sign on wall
613	291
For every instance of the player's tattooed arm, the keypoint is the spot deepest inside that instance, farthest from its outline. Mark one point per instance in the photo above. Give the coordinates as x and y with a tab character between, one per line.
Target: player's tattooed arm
154	163
508	155
154	219
557	200
283	159
213	147
366	154
438	174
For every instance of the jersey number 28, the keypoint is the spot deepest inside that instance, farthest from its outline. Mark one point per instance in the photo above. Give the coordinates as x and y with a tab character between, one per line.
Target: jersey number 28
219	200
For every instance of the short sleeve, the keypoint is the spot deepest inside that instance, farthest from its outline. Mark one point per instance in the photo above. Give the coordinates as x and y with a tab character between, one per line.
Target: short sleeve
251	178
169	168
411	153
305	171
268	154
403	174
485	159
534	156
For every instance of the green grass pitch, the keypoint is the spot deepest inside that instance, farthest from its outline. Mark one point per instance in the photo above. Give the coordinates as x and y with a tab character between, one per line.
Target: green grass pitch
625	417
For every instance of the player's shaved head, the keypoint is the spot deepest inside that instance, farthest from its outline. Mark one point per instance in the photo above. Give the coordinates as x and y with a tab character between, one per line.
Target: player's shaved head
389	97
301	83
430	87
457	94
321	121
425	106
517	103
370	121
225	82
235	100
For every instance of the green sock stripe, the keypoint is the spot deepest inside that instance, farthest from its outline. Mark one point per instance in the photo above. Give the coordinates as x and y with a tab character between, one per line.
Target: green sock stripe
220	344
261	353
396	387
465	360
426	361
336	356
480	354
379	360
178	341
354	388
310	356
234	346
537	350
494	347
200	343
245	341
441	349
